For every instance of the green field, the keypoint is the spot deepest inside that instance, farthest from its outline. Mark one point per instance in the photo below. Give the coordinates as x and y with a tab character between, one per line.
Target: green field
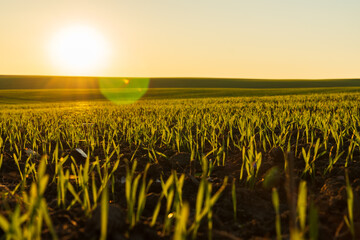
20	96
196	163
62	82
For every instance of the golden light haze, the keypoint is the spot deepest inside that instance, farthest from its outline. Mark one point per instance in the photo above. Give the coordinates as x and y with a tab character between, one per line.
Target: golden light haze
239	39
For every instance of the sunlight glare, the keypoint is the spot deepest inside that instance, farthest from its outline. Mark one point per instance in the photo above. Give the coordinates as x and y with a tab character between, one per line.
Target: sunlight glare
79	50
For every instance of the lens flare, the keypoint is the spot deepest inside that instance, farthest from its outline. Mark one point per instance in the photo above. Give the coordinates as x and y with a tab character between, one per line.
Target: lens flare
123	90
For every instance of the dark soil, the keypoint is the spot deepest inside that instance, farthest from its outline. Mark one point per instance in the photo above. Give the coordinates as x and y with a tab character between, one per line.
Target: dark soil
255	211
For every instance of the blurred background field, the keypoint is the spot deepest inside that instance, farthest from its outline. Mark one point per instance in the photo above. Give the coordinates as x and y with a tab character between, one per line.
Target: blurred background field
21	96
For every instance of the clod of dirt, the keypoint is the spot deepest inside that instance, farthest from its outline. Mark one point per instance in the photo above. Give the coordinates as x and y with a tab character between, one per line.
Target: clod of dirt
154	172
155	187
354	170
332	186
143	232
116	223
277	156
180	160
151	202
334	193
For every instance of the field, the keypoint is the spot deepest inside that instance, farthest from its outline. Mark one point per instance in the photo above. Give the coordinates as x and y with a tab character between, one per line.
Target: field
180	164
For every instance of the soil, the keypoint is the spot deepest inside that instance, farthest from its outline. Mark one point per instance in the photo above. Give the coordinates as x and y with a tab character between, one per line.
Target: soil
255	211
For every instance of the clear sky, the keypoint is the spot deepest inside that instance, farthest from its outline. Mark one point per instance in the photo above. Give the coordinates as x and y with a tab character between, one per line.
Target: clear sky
182	38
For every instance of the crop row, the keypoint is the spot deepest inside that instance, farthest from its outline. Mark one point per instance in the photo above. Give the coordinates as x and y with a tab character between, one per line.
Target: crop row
80	150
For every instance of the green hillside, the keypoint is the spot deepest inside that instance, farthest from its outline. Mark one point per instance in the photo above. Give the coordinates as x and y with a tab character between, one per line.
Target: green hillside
54	82
28	96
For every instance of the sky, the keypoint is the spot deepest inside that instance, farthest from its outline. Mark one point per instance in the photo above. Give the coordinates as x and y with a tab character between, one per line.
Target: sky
278	39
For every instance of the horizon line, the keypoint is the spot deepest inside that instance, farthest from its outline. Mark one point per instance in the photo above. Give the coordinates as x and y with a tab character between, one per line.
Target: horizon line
228	78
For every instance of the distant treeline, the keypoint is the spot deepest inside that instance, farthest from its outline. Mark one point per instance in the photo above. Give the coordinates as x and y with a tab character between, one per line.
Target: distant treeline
50	82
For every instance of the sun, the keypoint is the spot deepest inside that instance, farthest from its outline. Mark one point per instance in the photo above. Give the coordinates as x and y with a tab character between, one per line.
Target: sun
79	50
